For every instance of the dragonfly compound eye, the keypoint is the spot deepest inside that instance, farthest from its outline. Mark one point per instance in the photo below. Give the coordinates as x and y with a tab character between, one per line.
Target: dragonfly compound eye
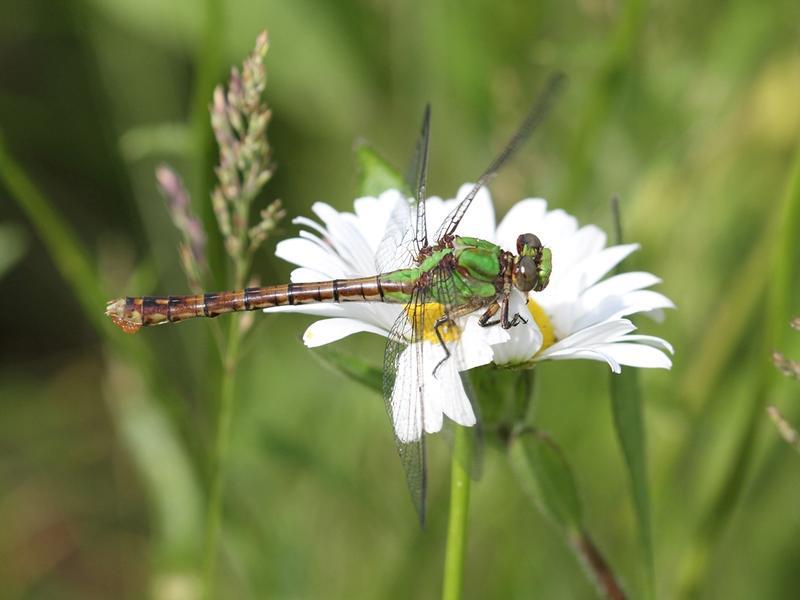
526	274
528	244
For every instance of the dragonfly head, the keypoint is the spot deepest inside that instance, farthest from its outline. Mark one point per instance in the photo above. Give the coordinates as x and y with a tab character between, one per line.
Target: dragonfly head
533	264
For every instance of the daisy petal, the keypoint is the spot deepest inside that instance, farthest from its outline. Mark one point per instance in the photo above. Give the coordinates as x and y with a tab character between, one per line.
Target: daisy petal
444	391
304	275
636	355
595	268
317	310
345	237
588	353
619	284
526	214
651	340
306	222
614	307
596	334
524	340
475	346
305	253
326	331
374	214
479	219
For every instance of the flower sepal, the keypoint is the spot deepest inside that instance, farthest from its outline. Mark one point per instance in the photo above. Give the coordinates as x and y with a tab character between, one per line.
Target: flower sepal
502	399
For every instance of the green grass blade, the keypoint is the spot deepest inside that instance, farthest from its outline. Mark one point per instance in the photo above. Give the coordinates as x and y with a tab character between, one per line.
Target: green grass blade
626	404
63	246
783	291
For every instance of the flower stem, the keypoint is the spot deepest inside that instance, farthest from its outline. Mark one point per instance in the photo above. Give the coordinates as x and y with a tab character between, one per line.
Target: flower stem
218	459
459	509
597	567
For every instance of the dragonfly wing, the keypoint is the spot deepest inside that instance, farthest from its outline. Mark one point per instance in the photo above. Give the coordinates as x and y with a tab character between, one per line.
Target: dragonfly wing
397	249
534	118
449	292
422	379
403	392
417	178
407	229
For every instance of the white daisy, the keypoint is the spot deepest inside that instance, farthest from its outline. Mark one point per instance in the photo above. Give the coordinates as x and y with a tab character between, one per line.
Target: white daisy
576	316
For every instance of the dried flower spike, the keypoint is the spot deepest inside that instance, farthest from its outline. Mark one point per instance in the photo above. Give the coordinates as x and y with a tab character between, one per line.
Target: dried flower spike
192	247
239	118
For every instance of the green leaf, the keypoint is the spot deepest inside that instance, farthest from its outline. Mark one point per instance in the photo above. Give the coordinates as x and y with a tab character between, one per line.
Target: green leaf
352	367
626	403
374	174
545	473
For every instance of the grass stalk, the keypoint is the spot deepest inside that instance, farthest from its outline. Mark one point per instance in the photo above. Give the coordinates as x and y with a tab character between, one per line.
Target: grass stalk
220	454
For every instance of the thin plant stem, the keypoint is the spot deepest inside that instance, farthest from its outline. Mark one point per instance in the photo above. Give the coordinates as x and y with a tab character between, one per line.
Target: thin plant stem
455	552
598	567
220	453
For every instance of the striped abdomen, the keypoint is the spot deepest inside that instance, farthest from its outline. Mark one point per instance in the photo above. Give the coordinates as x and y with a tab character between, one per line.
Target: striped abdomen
132	313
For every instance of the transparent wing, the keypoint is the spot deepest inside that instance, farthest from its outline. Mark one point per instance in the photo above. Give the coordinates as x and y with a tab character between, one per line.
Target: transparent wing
416	386
417	178
398	248
403	394
407	229
532	120
448	292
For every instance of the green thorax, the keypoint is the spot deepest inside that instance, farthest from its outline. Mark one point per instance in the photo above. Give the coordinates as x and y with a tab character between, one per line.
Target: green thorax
477	270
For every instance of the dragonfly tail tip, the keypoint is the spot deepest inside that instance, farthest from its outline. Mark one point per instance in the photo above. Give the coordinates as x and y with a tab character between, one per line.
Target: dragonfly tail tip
116	310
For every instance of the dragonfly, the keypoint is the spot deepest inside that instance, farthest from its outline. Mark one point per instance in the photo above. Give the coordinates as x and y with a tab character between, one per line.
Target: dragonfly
443	280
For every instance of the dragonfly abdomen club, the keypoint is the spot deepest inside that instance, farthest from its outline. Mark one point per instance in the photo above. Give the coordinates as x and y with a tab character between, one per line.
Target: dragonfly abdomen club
132	313
476	273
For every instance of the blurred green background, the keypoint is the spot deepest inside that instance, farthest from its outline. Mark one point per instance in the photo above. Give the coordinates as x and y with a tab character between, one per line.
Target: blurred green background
689	111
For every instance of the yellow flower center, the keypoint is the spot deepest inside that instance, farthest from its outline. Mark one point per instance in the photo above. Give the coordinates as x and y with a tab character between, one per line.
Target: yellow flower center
545	326
424	317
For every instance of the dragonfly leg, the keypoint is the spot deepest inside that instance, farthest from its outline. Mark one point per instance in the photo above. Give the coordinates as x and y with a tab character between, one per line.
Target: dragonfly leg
490	312
507	323
450	318
439	322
